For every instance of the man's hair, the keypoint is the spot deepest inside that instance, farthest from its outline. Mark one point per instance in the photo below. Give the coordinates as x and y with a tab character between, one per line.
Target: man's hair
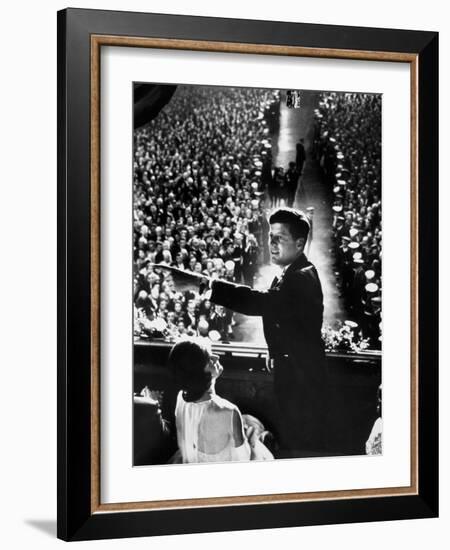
188	359
296	220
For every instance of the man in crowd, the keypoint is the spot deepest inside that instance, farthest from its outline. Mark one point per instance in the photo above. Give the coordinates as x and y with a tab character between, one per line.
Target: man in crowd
292	311
292	176
300	156
199	173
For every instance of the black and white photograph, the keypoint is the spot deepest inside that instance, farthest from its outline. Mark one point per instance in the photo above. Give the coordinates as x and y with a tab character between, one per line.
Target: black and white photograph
225	273
257	274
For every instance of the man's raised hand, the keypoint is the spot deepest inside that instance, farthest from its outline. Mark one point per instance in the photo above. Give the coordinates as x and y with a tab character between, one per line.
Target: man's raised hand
182	279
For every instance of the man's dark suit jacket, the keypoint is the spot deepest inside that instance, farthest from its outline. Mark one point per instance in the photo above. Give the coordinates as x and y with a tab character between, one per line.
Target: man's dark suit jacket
292	312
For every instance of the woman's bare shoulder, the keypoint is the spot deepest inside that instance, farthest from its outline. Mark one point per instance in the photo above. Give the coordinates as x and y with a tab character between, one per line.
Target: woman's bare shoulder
221	404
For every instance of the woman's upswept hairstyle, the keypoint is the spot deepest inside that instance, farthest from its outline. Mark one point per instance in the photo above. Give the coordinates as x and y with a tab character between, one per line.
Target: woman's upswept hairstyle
188	359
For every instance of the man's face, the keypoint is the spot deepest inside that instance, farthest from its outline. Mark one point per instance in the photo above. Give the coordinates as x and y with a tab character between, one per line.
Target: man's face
171	316
284	249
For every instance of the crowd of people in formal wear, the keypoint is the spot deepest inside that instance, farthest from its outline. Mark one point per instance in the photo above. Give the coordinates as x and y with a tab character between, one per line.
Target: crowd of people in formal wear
203	178
206	195
282	186
348	148
200	170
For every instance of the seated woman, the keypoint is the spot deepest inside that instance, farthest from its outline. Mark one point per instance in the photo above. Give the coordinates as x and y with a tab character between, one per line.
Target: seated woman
209	428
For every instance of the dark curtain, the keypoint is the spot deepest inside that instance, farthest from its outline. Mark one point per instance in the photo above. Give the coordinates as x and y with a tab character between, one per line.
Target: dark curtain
148	100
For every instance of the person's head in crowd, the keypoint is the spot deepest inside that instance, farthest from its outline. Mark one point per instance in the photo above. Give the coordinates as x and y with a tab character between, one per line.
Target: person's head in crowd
191	306
142	242
151	276
203	326
141	255
229	267
167	256
251	240
198	267
207	306
219	310
168	288
142	295
289	229
218	264
155	291
171	317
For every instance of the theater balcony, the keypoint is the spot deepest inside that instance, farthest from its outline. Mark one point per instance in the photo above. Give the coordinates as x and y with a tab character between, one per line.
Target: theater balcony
354	378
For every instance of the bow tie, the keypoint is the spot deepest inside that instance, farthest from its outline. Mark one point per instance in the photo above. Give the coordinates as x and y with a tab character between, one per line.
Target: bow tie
274	282
278	278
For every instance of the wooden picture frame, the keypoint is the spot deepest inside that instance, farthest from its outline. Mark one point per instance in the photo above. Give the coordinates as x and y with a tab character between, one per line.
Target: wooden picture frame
81	35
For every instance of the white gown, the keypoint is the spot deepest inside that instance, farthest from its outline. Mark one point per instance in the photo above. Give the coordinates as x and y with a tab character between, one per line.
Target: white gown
191	419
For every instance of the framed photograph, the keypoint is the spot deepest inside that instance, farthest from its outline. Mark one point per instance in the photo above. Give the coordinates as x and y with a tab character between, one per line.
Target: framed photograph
247	255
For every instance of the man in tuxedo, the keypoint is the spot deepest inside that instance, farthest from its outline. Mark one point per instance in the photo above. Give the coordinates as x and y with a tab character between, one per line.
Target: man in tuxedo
190	318
292	311
300	155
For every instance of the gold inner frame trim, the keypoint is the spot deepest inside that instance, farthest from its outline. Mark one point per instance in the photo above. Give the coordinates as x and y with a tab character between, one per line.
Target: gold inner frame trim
97	41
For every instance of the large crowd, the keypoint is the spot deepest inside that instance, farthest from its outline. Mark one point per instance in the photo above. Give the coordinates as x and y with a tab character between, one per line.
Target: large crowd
202	177
200	170
348	147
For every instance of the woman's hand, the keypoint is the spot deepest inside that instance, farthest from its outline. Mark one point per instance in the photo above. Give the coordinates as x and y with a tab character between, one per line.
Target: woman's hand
251	435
